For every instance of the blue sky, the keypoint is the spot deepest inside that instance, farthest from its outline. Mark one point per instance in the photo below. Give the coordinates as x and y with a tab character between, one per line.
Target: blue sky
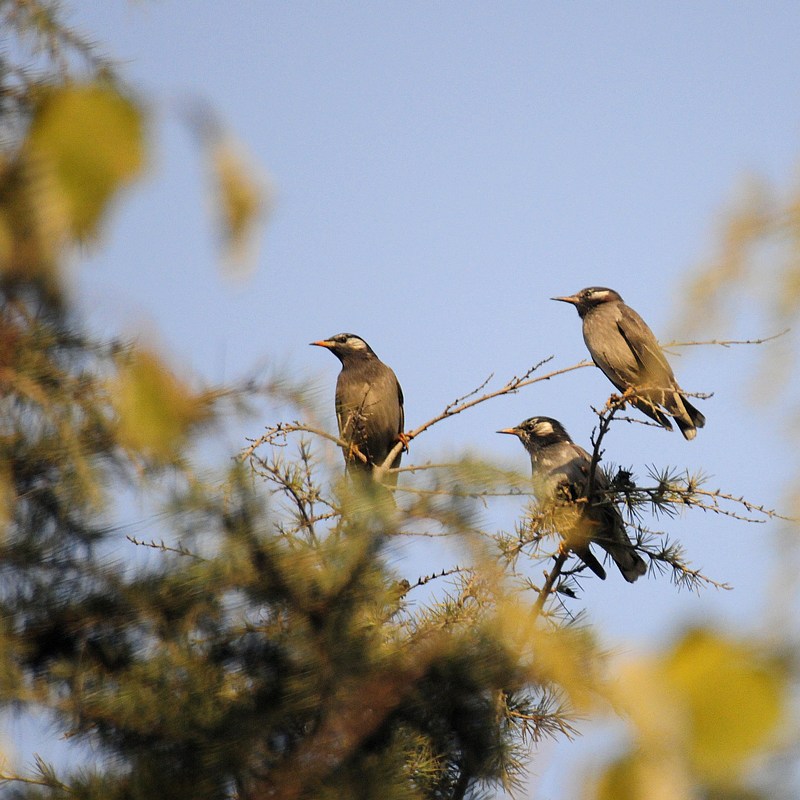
440	171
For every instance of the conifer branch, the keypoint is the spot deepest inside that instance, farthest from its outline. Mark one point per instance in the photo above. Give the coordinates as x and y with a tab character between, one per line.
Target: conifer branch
178	549
422	581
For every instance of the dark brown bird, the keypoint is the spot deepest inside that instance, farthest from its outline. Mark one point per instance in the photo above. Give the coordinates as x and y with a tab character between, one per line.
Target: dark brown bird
560	470
369	406
625	349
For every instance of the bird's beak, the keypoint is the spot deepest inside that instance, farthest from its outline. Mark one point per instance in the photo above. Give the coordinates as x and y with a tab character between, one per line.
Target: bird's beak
571	299
322	343
512	431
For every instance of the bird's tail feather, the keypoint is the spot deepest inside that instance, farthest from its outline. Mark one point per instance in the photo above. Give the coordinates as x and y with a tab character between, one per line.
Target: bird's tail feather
686	416
649	408
697	418
588	558
619	547
628	561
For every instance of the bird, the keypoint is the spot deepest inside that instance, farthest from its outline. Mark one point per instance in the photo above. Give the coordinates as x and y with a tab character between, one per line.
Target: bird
369	407
626	350
560	475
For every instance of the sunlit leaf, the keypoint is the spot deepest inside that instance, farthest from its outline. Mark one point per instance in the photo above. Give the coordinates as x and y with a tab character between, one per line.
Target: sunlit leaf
620	780
240	201
641	775
156	410
89	139
734	697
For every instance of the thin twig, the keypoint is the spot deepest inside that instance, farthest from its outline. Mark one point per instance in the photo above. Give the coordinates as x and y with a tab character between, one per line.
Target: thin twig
436	575
613	404
728	342
164	547
550	580
511	387
282	428
513	492
767	512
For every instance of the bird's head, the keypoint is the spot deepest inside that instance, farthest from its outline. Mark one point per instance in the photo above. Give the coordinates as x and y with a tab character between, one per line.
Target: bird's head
346	345
538	432
589	298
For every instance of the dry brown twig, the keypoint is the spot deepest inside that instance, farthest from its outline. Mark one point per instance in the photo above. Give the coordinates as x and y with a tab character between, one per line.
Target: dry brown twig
461	404
425	579
164	547
727	342
550	580
282	428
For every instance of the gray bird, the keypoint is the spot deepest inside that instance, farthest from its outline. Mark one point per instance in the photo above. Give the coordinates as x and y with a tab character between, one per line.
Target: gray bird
625	349
560	470
369	406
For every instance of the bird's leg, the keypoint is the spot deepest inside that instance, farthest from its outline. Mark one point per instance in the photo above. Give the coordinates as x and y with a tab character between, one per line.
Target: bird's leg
619	400
354	454
631	395
404	439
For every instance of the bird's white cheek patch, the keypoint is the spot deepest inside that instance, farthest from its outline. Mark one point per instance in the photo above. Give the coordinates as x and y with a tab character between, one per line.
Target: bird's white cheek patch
544	429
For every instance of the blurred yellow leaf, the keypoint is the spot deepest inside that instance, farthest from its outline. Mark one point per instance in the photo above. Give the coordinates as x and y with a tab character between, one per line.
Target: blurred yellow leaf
89	139
621	780
700	713
734	698
641	775
638	693
239	197
156	410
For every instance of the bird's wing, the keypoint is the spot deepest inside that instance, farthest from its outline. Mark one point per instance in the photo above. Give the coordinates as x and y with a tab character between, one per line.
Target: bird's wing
641	341
573	473
606	512
608	347
341	414
400	400
355	405
568	474
370	410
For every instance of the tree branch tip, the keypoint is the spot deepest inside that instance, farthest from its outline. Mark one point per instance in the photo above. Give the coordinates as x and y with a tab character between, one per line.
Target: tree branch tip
727	343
